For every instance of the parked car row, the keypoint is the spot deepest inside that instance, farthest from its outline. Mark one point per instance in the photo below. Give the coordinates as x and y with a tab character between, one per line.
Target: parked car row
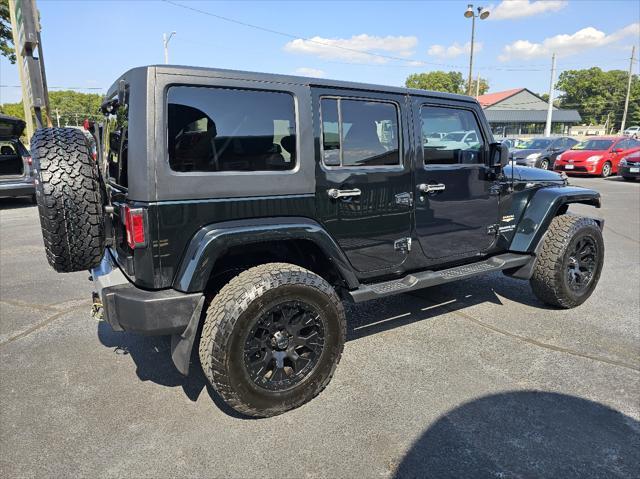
601	155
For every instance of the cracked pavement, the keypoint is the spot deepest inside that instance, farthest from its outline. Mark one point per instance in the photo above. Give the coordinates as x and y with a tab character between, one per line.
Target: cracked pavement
471	379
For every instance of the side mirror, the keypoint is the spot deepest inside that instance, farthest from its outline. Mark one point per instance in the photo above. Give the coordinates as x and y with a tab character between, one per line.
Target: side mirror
498	155
617	150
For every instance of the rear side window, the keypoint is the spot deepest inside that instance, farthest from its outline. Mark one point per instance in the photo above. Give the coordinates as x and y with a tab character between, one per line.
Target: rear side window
221	129
450	136
116	144
358	133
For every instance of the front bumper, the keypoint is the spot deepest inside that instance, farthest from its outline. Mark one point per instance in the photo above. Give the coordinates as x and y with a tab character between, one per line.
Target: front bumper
629	171
129	308
17	188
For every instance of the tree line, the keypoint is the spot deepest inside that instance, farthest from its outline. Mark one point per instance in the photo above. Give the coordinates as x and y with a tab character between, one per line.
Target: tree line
596	94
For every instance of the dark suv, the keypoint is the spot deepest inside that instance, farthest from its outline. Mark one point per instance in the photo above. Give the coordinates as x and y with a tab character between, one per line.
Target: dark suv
237	211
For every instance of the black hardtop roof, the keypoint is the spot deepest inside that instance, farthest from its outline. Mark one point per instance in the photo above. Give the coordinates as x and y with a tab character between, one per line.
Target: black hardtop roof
292	79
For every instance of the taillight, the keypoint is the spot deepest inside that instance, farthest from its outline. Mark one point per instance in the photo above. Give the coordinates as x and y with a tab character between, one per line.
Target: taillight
134	224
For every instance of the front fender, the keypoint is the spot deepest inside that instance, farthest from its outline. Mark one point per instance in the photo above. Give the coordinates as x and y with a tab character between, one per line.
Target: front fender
212	241
542	208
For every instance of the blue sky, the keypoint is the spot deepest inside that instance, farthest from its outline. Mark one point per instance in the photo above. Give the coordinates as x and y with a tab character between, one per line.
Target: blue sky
87	44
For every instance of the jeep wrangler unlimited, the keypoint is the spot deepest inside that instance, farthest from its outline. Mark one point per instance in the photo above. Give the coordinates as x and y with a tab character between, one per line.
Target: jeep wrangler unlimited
239	210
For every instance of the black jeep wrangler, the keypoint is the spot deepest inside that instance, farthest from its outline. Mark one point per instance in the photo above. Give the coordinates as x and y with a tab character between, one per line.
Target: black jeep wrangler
240	210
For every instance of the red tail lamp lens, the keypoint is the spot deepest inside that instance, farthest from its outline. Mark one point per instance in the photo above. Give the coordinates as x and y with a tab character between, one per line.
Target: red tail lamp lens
134	224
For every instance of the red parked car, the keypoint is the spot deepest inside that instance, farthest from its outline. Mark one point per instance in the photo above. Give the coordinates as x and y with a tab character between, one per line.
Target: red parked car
597	155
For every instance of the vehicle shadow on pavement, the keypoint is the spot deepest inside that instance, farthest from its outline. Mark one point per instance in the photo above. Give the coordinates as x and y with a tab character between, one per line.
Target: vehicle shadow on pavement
383	314
152	354
152	357
527	434
13	203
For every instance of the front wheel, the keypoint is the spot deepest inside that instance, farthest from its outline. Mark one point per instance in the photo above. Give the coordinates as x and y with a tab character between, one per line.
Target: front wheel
544	164
272	339
606	170
569	265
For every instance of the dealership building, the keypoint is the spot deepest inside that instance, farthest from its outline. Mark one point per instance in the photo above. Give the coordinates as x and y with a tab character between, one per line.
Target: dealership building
521	112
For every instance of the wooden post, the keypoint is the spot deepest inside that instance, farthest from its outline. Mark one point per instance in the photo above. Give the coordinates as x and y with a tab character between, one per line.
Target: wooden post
26	101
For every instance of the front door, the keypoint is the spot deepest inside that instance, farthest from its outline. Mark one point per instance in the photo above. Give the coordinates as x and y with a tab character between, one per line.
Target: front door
364	192
456	192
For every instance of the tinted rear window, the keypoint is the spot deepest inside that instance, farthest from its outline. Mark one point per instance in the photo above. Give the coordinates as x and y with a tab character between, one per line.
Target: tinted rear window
222	129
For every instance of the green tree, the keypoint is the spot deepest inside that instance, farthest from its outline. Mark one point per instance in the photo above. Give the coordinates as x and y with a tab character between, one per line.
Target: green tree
6	39
450	82
73	107
484	87
597	94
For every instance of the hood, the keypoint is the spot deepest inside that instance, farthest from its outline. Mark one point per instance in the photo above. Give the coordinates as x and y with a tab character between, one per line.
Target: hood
521	173
520	153
11	127
582	154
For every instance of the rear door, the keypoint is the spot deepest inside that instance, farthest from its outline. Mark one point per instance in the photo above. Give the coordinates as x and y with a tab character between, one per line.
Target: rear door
364	192
457	193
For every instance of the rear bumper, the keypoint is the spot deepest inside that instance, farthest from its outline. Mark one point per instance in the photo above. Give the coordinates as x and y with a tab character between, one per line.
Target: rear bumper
17	188
129	308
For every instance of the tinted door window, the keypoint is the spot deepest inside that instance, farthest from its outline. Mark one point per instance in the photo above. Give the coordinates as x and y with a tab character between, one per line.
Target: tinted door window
460	142
359	133
219	129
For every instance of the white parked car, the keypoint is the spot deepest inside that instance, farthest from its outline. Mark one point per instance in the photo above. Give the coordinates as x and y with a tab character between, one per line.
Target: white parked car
631	131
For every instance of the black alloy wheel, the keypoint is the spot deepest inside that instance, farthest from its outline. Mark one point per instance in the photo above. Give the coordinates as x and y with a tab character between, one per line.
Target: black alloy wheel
284	345
272	338
581	264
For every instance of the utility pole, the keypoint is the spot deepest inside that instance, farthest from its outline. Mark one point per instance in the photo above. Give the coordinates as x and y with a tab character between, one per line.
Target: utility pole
165	43
58	117
547	128
20	64
626	101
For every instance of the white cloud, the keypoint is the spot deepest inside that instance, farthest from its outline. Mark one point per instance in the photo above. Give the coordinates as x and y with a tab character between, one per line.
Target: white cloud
508	9
453	50
566	44
354	49
310	72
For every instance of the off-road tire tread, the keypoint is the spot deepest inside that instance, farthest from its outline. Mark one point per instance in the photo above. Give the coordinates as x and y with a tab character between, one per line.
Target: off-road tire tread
69	199
227	307
547	274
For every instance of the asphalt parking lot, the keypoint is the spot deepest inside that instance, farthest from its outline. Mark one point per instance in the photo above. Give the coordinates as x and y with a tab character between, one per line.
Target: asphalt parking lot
472	379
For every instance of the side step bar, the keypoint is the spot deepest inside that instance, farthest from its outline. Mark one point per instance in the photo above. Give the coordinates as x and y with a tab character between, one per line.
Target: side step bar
424	279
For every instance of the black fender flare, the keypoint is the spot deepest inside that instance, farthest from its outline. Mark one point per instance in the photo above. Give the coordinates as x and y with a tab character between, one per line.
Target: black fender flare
542	208
212	241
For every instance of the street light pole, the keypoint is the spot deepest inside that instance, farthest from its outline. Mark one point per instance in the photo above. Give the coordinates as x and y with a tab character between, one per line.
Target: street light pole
473	38
165	43
470	13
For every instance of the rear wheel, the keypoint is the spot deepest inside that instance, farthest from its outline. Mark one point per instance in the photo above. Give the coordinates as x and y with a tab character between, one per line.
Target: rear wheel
606	170
272	339
569	265
69	199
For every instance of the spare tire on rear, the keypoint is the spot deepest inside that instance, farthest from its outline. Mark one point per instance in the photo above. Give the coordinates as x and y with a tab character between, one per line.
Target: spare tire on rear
69	198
